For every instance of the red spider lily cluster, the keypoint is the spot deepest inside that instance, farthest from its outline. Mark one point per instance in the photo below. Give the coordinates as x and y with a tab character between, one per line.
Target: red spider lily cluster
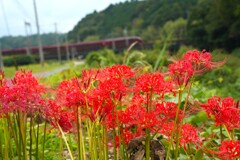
122	99
225	111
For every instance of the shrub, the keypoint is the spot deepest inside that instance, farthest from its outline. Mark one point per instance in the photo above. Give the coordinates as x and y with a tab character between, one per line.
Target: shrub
104	57
18	60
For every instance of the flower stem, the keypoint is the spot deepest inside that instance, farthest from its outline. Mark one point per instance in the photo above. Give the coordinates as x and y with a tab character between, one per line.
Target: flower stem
229	136
175	125
65	140
44	138
181	123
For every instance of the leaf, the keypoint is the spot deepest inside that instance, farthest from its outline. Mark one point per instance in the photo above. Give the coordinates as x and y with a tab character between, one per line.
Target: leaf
199	155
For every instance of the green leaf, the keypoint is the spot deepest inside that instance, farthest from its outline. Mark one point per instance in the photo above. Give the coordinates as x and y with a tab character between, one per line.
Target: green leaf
199	155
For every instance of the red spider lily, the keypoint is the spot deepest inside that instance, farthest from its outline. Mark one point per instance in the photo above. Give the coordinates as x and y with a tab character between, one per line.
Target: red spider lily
192	64
56	115
181	71
66	121
100	104
152	83
167	128
88	77
70	93
230	117
138	117
110	121
139	100
116	71
131	115
167	111
229	150
51	111
23	94
201	60
189	134
128	135
224	111
113	88
149	121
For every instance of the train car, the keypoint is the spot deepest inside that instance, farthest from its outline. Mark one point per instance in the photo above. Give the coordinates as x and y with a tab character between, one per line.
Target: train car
78	49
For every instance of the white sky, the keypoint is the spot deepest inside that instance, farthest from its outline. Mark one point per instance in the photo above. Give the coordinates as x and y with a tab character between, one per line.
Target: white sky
66	13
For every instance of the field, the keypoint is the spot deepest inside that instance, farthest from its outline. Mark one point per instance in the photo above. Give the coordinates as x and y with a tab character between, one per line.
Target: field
149	104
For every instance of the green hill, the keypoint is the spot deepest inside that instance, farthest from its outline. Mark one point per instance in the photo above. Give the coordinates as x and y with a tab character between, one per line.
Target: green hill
205	24
133	16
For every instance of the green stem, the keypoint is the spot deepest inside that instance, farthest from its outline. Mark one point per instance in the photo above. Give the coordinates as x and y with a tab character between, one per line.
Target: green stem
114	139
148	137
175	125
105	144
37	139
13	132
44	139
181	123
30	132
229	136
65	140
148	141
78	134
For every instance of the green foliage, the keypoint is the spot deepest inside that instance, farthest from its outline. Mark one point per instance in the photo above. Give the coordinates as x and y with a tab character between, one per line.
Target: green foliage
236	52
101	58
177	30
142	18
226	80
213	24
18	60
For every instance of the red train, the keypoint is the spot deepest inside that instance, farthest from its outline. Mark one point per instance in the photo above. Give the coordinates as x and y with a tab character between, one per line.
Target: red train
78	49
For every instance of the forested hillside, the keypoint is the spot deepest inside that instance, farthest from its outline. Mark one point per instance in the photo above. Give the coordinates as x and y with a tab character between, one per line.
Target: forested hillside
207	24
141	18
203	23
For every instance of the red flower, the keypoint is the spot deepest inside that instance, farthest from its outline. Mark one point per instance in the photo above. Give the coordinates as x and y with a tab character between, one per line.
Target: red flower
88	77
167	111
152	82
116	71
224	111
167	128
100	104
230	117
229	150
113	88
189	134
66	121
193	63
181	71
201	60
70	93
137	117
23	93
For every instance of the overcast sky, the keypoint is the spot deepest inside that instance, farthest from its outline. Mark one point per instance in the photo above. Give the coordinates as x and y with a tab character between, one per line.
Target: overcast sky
66	13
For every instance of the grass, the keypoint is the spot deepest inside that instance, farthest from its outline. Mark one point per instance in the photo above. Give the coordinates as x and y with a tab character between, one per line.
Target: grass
36	68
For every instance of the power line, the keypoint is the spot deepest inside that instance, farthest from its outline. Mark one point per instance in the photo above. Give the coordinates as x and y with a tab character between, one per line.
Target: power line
41	55
23	10
5	17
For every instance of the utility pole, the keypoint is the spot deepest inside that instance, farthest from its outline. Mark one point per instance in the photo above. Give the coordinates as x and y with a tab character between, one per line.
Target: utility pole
27	24
41	55
125	33
67	47
1	58
58	44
